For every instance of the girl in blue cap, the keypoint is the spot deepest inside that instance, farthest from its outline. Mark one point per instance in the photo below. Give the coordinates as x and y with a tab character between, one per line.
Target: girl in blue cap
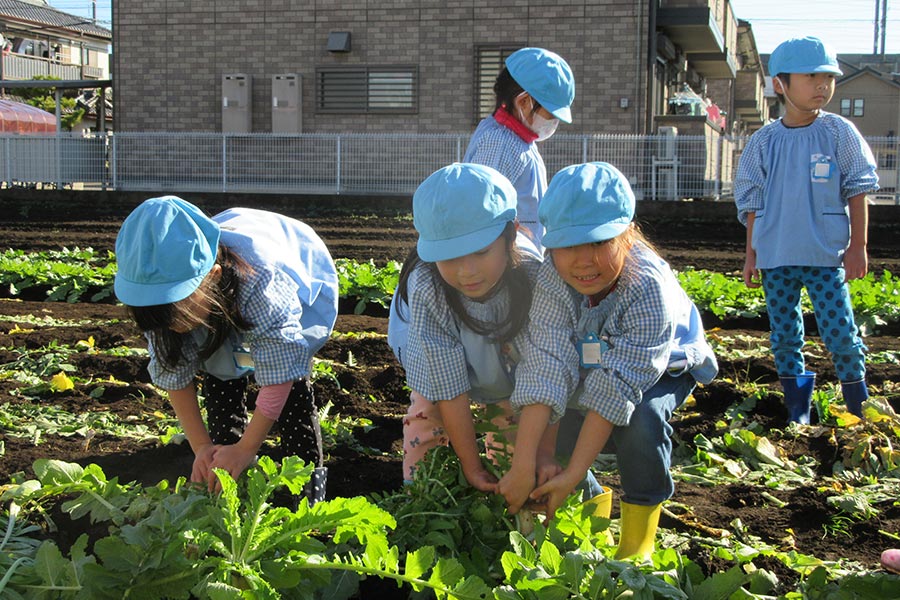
534	92
245	296
801	190
609	323
458	311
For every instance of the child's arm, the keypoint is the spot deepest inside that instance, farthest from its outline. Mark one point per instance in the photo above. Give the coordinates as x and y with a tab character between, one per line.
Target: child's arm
751	273
594	434
456	414
547	465
518	482
856	260
187	409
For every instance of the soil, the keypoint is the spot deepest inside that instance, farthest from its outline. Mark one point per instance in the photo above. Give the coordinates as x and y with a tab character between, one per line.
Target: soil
371	386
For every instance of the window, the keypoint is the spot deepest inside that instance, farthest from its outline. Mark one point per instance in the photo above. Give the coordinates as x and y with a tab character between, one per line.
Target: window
858	105
845	107
489	61
367	89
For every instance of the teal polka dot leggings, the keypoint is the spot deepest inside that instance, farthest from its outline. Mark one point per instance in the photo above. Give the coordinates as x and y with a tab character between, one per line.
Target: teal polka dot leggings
830	298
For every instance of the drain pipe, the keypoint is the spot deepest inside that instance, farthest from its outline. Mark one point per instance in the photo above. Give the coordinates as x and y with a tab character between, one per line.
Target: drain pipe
651	66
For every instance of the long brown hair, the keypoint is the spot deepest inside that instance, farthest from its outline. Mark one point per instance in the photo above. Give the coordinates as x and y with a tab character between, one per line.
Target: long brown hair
160	321
514	278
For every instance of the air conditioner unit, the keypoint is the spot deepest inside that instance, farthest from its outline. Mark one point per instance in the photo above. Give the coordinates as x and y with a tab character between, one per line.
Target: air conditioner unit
287	104
236	95
664	47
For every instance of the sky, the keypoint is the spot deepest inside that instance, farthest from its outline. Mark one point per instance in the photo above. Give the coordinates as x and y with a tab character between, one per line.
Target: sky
847	25
85	9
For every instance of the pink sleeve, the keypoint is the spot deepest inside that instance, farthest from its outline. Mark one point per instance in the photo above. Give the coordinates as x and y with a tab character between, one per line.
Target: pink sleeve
271	399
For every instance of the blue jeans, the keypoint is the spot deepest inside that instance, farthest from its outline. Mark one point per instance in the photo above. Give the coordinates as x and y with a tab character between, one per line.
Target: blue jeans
830	298
644	446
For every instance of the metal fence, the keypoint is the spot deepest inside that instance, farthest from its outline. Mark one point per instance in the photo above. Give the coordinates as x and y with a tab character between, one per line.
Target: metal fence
659	167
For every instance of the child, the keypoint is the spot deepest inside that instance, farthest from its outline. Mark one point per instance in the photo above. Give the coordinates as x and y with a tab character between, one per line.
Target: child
801	192
245	295
534	92
462	299
609	319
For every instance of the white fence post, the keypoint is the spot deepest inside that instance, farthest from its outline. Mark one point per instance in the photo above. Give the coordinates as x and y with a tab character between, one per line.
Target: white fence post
337	179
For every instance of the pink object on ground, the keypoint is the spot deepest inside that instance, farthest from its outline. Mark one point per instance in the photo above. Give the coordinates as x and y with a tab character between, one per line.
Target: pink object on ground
890	560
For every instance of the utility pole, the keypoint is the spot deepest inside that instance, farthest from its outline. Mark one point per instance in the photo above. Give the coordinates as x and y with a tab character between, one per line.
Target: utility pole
877	23
880	26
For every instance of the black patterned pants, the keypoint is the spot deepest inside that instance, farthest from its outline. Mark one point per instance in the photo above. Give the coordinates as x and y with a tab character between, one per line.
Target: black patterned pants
227	403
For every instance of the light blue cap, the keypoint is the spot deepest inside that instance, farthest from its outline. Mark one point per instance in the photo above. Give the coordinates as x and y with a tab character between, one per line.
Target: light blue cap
164	249
585	203
546	76
803	55
460	209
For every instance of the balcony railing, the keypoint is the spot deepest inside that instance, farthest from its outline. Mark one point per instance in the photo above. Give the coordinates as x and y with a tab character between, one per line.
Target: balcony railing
20	66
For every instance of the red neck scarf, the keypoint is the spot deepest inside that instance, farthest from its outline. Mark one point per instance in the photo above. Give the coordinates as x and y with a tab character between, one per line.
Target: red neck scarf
502	116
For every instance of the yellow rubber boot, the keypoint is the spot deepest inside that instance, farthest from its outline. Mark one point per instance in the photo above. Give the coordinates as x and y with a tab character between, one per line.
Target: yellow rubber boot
601	506
637	530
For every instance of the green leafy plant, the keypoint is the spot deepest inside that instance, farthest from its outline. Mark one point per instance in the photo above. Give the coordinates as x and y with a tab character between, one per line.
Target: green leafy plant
180	543
366	282
67	274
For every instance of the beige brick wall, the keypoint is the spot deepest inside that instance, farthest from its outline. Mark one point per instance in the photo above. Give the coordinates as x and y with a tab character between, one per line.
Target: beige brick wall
170	57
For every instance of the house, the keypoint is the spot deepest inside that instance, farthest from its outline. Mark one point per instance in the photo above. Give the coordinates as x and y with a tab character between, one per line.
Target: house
38	40
420	65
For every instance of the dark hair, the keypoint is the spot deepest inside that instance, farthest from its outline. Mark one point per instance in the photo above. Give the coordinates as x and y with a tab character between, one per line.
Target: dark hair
506	90
225	315
514	278
785	79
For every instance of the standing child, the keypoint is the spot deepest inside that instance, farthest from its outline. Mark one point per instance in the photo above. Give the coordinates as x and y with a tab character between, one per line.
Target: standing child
534	93
608	315
462	300
801	192
245	295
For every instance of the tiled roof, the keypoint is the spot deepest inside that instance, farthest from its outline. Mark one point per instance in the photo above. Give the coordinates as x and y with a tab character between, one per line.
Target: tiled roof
45	15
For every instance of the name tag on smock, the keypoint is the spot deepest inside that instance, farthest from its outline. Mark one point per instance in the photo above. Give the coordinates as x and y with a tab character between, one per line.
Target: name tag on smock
590	349
242	358
821	168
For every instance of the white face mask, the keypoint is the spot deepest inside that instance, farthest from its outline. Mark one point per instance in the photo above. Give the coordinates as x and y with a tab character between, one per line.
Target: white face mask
544	128
541	127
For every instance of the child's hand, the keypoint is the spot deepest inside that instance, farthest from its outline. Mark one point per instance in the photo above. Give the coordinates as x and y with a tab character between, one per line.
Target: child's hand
515	486
554	493
751	273
201	470
232	458
481	480
547	468
856	263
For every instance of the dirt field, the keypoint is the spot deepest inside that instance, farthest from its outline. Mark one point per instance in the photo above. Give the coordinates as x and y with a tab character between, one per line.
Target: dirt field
373	387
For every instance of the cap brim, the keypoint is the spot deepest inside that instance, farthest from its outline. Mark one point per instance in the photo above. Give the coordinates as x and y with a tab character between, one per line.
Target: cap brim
576	235
142	294
828	69
435	250
563	113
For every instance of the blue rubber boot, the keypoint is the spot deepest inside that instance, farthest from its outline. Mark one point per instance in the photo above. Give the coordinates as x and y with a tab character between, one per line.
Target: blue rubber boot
855	393
798	396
